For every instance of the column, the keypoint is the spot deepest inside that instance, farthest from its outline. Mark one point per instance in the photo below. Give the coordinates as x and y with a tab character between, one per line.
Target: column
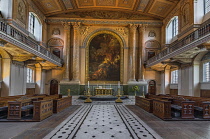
141	52
66	50
76	56
132	53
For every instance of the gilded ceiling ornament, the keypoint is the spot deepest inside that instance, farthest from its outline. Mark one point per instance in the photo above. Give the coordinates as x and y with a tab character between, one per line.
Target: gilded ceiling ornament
109	15
152	34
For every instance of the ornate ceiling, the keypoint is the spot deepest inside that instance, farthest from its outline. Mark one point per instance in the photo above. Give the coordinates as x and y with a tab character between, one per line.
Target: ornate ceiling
107	9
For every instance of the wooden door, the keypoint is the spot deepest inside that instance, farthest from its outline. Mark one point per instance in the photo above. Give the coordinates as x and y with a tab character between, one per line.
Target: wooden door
152	87
53	87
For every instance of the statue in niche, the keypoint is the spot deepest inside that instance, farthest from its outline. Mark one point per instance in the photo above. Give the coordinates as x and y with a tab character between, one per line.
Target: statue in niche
56	31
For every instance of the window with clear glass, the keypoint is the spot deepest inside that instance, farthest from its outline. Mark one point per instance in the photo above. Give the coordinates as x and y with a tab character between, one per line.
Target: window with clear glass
29	75
206	70
206	6
174	77
172	29
31	22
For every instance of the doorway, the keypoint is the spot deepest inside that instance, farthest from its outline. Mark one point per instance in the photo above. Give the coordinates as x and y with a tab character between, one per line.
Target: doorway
152	87
53	87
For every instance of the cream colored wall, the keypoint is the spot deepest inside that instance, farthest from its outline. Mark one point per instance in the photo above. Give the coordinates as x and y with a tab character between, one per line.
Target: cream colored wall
17	80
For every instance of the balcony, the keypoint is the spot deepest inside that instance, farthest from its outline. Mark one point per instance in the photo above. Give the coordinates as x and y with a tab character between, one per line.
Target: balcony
17	38
196	38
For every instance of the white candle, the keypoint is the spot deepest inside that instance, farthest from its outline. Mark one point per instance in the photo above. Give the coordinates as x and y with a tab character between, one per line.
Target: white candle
143	88
118	84
88	85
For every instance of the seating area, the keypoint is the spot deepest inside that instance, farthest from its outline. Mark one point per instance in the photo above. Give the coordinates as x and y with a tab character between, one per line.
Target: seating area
175	107
32	107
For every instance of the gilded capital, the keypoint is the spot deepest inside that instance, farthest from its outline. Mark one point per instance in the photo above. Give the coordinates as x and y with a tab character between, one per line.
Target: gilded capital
76	25
142	27
66	25
133	27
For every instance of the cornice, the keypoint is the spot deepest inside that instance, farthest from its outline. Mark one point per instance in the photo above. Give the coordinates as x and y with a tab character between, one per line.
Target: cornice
104	22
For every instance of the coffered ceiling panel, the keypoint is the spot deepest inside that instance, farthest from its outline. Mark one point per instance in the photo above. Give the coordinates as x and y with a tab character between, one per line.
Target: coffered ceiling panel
84	3
106	3
67	4
48	6
161	8
126	3
158	9
142	5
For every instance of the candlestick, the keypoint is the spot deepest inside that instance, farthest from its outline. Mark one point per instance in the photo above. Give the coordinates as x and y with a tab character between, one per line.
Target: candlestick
118	84
143	88
88	85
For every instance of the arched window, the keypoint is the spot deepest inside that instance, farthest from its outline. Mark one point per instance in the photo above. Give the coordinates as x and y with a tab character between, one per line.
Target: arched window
174	77
206	6
172	29
35	26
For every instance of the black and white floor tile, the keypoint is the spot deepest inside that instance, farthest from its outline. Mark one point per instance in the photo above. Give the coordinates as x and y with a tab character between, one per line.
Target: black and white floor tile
103	122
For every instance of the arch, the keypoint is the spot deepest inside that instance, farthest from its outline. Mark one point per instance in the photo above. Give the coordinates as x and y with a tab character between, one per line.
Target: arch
56	46
54	87
91	35
114	38
55	42
151	48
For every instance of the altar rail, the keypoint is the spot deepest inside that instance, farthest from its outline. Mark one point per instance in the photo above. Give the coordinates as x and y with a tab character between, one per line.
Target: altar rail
15	37
201	35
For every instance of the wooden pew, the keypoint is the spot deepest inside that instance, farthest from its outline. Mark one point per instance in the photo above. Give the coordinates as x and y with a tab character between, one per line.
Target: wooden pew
42	109
162	109
61	104
188	109
144	103
15	108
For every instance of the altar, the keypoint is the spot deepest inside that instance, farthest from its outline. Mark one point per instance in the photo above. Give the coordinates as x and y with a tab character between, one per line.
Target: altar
103	91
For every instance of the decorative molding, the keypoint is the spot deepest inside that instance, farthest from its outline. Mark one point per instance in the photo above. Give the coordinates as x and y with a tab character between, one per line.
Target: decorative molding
123	31
110	15
84	30
105	22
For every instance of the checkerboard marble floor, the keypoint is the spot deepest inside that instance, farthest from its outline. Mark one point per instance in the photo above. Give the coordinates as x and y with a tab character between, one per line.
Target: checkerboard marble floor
103	121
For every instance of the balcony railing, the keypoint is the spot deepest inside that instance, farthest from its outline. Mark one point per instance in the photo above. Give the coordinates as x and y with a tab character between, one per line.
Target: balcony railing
13	36
201	35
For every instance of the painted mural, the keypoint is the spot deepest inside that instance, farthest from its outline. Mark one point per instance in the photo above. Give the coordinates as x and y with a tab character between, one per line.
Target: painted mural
104	58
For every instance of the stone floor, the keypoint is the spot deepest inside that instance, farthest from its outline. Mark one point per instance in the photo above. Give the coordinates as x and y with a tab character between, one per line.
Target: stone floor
129	101
104	122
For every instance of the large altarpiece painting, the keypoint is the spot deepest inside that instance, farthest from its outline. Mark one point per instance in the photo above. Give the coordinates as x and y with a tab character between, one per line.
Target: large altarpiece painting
104	58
